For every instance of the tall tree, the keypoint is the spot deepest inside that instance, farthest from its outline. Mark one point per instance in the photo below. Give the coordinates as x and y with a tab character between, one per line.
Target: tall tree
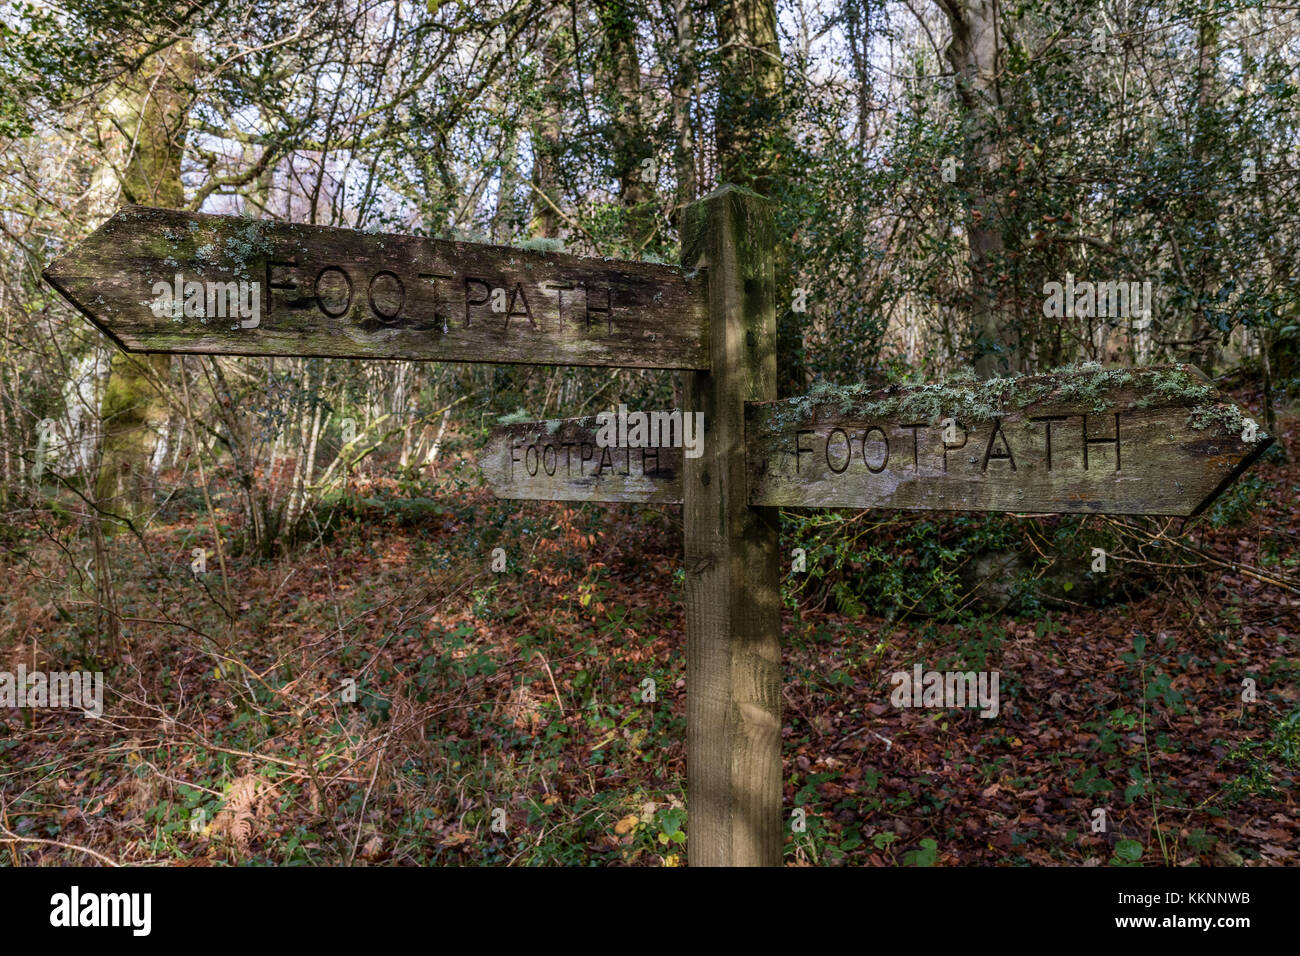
148	115
548	120
1206	121
753	150
977	57
685	73
748	126
620	73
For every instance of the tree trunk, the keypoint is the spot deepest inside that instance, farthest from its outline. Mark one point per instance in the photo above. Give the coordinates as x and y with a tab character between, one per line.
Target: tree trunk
9	437
975	54
150	113
683	93
620	70
547	126
748	122
1207	272
505	218
133	412
750	132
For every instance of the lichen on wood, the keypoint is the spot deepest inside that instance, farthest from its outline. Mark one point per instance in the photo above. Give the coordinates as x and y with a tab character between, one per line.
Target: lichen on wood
1089	385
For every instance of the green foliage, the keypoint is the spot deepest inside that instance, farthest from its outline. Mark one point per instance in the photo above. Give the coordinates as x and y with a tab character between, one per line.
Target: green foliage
1240	502
926	855
1269	765
1127	853
1284	743
892	566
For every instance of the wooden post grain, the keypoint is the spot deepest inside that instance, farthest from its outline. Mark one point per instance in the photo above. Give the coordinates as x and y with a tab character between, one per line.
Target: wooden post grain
733	636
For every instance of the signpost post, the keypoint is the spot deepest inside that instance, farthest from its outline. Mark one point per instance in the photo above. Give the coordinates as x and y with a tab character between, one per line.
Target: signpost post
1087	440
733	580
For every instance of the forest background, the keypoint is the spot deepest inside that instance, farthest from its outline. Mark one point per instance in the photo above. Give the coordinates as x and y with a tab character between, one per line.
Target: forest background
934	165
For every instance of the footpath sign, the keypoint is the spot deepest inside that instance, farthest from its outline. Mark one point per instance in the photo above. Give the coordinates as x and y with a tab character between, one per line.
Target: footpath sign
1088	440
1153	441
565	460
158	280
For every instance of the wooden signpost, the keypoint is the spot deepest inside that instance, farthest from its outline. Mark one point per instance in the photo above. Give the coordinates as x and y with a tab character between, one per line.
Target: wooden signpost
1153	441
1123	441
563	460
1158	441
158	280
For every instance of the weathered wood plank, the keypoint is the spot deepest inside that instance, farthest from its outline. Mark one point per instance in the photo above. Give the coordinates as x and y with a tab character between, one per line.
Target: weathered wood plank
341	293
561	460
733	586
1158	440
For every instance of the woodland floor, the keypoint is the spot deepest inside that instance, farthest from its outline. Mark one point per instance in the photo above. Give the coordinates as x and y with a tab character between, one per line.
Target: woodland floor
226	739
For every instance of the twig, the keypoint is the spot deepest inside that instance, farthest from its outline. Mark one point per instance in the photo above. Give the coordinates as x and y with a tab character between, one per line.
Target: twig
361	817
13	848
13	838
552	677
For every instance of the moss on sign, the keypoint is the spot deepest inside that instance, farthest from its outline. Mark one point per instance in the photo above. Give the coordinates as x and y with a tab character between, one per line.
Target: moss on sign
1089	385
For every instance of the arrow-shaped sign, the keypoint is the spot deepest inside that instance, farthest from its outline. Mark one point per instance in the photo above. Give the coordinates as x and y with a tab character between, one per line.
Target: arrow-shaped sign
564	460
1157	440
1088	440
158	280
